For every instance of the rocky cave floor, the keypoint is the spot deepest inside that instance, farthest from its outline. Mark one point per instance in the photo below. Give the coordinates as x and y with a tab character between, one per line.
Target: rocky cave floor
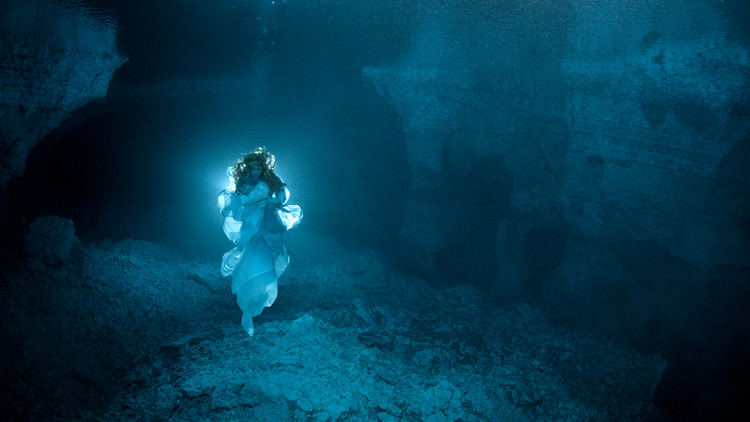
135	331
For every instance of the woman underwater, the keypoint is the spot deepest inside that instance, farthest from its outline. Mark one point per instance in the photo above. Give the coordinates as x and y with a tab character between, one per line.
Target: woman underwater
255	219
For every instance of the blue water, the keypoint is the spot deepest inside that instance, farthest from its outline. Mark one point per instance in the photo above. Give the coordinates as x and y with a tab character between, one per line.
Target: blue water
584	156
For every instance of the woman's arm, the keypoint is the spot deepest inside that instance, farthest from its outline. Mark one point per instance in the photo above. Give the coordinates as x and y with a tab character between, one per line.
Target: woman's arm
258	194
282	195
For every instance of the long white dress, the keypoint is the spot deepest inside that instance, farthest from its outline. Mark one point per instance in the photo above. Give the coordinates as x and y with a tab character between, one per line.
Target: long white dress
260	256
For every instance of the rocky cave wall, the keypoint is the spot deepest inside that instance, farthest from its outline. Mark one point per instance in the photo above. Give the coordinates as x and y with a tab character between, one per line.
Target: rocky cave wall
600	148
54	58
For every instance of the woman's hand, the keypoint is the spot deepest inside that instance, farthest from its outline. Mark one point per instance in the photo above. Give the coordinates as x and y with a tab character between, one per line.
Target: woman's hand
242	189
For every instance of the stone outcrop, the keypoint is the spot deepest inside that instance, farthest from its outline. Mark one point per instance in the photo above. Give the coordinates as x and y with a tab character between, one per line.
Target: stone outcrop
627	124
53	60
475	111
51	241
651	115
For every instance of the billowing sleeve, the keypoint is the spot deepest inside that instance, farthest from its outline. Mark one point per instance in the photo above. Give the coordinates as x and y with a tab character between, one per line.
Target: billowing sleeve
289	216
230	208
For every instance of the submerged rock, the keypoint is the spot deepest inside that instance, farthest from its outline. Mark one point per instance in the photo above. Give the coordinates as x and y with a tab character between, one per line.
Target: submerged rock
51	242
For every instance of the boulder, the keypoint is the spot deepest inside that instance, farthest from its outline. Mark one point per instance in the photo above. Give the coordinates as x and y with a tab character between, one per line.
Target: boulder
51	242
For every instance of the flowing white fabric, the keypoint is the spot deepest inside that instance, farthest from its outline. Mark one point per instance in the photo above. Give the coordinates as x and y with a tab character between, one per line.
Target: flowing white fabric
260	256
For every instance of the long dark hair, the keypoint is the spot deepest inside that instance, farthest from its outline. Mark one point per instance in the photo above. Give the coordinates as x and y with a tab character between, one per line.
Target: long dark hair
266	160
